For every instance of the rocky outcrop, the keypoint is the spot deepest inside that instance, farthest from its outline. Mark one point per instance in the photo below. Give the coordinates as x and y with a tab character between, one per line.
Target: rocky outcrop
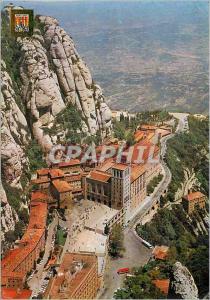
53	75
190	182
74	77
14	139
41	91
8	215
182	285
14	133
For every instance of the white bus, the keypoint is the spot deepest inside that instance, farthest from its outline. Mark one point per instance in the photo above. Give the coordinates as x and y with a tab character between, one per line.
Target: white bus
148	245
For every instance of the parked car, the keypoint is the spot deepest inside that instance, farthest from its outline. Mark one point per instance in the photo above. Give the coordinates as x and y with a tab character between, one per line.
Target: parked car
123	271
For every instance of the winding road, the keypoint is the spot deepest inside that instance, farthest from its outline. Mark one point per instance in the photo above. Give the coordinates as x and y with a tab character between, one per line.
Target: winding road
136	254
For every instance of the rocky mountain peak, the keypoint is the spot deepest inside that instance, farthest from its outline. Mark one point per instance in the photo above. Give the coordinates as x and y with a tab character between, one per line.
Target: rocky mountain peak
54	75
42	76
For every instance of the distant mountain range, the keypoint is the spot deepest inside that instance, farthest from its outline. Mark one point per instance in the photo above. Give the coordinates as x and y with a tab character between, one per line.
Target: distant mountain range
145	55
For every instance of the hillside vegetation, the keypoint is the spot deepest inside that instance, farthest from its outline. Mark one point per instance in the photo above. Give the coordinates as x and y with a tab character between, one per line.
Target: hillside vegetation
189	150
125	127
140	286
174	229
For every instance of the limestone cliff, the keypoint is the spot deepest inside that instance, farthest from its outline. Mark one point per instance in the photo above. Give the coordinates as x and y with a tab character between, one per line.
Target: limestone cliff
53	75
14	139
182	284
14	132
9	217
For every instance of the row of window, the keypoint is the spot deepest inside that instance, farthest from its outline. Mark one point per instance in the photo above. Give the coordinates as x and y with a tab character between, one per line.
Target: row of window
96	188
88	290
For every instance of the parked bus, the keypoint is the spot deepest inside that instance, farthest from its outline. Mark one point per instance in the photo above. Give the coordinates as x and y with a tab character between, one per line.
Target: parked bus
148	245
123	271
130	275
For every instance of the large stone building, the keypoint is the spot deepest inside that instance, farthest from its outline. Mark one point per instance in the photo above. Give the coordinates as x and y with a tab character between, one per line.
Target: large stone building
71	167
73	173
62	183
77	277
138	187
9	293
146	154
99	187
125	184
193	200
21	260
111	188
62	191
120	186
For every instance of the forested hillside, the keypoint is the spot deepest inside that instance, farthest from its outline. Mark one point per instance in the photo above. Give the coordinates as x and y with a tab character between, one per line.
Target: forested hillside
187	158
175	229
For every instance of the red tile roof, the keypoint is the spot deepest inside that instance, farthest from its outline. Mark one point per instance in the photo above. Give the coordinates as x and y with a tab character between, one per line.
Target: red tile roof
38	215
28	243
101	147
71	162
74	282
121	167
42	172
160	252
9	293
31	236
56	173
40	180
14	258
136	171
147	152
99	176
30	240
37	195
148	127
162	284
105	166
9	257
139	134
194	195
72	178
62	186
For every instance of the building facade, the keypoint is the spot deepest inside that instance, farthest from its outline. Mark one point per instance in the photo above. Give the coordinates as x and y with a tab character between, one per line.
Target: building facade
77	277
120	188
62	191
117	219
69	167
138	187
98	185
21	260
193	200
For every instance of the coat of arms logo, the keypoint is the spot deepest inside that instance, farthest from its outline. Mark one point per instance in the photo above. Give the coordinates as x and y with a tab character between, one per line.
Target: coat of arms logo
22	22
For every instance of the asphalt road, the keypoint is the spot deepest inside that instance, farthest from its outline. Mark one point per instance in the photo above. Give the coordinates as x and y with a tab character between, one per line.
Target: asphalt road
136	254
